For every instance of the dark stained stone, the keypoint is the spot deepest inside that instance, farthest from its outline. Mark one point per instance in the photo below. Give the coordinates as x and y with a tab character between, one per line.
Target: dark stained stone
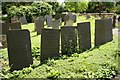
3	28
103	31
49	43
68	39
84	35
15	25
19	49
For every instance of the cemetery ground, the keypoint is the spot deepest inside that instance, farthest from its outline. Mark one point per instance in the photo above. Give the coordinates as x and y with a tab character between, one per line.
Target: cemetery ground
98	62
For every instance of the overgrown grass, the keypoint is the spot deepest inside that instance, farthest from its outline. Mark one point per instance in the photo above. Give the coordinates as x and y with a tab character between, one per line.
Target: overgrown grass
99	62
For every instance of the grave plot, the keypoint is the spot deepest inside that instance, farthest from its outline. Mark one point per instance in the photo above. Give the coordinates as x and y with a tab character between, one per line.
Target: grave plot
84	35
15	25
49	43
19	49
68	39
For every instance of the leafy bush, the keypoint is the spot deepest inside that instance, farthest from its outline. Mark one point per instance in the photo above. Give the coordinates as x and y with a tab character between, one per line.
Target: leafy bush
118	9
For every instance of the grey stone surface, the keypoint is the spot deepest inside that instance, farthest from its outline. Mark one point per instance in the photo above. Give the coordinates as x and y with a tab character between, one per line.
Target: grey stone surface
39	24
23	20
68	38
66	18
19	49
3	28
56	24
74	18
69	23
103	31
49	43
49	20
15	25
84	35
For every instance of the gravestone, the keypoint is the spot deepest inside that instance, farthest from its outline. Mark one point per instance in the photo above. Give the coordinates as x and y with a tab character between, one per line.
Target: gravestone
63	17
66	18
68	38
56	24
39	24
49	20
23	20
15	25
57	16
14	19
84	35
4	27
19	49
69	23
49	43
103	31
74	18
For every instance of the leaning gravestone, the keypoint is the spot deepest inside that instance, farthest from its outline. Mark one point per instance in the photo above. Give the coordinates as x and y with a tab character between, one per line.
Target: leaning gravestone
49	43
49	20
39	24
69	23
103	31
23	20
19	49
4	27
68	38
15	25
56	24
84	35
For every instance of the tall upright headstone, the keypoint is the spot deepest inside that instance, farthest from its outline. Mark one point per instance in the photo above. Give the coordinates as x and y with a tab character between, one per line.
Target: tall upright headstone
19	49
66	18
23	20
49	43
103	31
39	24
68	38
15	25
49	20
84	35
74	18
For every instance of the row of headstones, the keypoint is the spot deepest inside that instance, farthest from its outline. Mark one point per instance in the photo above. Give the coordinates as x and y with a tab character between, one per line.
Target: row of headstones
19	43
54	24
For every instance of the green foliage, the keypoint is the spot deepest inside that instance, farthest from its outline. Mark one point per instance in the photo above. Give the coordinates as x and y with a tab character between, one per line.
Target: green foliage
41	8
118	9
76	6
36	52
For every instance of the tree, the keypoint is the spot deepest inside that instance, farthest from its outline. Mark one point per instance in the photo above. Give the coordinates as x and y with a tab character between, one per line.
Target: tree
76	6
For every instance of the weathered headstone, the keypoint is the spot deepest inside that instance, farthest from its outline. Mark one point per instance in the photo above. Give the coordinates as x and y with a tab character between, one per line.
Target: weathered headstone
63	17
70	15
84	35
4	27
14	19
23	20
103	31
66	18
69	23
56	24
49	20
39	24
74	18
19	49
68	38
49	43
15	25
